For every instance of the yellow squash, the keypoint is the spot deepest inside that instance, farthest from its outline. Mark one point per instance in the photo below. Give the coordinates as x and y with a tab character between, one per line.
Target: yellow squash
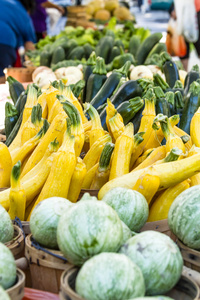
160	207
116	126
111	112
195	180
102	173
77	180
137	140
148	184
56	130
93	155
89	177
143	157
122	153
157	154
17	196
96	131
170	174
194	128
58	181
5	166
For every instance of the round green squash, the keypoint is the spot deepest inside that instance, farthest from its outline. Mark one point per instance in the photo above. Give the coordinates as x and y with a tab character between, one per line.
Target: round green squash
127	233
158	257
6	226
8	271
88	228
184	217
131	206
109	276
153	298
44	220
3	294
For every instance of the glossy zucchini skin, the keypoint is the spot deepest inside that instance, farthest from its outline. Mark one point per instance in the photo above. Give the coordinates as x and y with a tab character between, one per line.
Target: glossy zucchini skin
192	103
15	130
137	120
15	88
171	72
128	90
21	101
94	84
11	117
128	109
107	89
191	76
162	106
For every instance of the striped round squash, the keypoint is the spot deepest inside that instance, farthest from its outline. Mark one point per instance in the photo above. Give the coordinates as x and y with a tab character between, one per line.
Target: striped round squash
6	226
88	228
158	257
130	205
184	217
109	276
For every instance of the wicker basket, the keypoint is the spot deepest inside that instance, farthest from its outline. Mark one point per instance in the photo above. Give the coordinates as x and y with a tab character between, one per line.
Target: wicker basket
45	268
16	245
161	226
186	289
191	257
16	292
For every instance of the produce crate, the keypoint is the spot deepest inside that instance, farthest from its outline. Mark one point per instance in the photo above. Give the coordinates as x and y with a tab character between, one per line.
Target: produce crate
20	74
186	288
16	292
16	245
191	257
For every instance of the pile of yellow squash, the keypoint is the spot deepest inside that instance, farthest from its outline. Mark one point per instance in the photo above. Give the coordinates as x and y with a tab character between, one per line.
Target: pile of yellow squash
44	160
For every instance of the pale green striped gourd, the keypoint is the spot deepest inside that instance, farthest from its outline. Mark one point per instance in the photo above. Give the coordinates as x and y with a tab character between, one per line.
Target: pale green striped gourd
184	217
8	271
6	226
159	259
110	276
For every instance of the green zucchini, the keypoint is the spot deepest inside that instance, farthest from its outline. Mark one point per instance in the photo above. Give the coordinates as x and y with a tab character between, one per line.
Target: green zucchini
91	62
15	88
58	55
170	69
11	117
120	60
134	44
96	79
171	103
192	103
161	103
146	46
191	76
118	43
69	46
45	59
159	81
157	49
88	49
15	130
104	48
21	101
77	53
128	109
114	52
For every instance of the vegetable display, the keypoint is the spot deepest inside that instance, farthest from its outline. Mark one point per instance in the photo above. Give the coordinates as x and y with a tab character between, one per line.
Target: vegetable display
7	267
122	278
158	257
6	226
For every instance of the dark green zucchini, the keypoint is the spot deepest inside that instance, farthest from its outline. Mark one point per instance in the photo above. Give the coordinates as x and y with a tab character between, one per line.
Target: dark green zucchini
161	103
128	109
58	55
157	49
104	48
101	107
91	62
121	82
118	43
45	59
114	52
69	46
170	69
15	88
120	60
179	104
109	86
21	101
77	53
134	44
11	117
137	120
192	103
146	46
96	79
88	49
14	132
191	76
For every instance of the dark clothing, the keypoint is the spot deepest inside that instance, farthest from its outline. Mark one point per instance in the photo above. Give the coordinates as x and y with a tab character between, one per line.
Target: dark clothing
7	57
39	17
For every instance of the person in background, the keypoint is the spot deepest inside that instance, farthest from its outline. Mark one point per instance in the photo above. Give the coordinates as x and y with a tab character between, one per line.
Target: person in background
16	30
39	16
185	59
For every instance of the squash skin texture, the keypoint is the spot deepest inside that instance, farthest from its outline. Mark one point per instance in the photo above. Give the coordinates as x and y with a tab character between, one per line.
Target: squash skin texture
131	206
5	166
184	217
170	174
6	226
88	228
121	278
7	267
159	259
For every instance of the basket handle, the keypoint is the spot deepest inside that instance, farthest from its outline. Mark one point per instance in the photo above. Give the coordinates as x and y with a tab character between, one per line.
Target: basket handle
22	263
